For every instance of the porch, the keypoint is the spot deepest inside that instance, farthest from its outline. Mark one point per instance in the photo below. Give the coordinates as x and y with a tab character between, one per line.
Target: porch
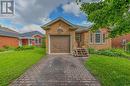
30	41
80	40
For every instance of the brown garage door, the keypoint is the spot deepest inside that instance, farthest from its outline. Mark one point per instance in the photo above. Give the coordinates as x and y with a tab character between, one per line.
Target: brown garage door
60	44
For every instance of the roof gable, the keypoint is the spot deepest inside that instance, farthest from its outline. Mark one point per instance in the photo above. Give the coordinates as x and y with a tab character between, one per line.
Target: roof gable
46	26
77	28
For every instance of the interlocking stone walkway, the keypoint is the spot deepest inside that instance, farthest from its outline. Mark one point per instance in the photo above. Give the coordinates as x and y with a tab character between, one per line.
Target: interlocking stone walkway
57	70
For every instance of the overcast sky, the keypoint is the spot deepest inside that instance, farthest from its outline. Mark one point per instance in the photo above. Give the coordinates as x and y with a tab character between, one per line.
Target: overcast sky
31	14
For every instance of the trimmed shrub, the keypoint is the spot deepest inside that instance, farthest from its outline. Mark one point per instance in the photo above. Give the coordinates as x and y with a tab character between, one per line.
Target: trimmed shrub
2	49
91	50
8	48
128	47
5	47
113	52
20	48
107	53
43	42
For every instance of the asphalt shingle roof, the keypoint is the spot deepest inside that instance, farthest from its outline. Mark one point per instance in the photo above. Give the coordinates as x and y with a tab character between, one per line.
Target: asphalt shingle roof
30	34
82	28
7	29
10	34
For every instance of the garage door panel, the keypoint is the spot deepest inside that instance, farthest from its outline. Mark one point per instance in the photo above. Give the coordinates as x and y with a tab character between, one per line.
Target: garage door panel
60	44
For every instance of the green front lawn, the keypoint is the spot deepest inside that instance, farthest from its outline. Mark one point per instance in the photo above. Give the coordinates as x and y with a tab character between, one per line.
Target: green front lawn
110	71
15	63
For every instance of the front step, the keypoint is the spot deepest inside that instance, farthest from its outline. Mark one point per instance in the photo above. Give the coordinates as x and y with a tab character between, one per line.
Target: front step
80	52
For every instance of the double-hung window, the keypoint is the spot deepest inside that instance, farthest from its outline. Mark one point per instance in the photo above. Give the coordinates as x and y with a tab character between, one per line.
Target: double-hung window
103	38
40	41
78	37
124	42
36	40
91	38
98	37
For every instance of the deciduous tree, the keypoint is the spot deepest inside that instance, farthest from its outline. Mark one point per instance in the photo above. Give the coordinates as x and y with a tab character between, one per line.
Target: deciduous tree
111	14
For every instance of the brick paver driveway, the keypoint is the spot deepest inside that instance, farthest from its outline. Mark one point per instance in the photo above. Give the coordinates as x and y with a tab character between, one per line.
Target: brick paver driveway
57	70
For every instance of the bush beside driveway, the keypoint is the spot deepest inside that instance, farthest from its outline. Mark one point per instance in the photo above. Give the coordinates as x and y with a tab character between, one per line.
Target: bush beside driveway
15	63
115	52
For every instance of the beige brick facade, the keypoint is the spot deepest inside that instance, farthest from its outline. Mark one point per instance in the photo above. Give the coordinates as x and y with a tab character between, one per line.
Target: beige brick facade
94	45
67	29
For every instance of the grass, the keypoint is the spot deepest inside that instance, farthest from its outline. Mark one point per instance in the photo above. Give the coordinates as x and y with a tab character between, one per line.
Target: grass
110	71
15	63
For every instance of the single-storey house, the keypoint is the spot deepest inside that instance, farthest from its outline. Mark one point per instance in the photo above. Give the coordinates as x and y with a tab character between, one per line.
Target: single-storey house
120	41
33	38
63	37
8	37
12	38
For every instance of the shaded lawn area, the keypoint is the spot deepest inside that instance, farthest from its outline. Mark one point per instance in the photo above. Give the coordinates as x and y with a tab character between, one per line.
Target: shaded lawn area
15	63
110	71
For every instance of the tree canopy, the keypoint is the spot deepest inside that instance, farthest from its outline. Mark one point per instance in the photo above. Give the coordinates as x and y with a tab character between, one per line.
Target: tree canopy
111	14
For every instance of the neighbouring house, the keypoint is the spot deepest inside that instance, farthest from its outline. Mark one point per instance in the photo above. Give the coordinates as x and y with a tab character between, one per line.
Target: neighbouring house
63	37
33	38
120	41
8	37
12	38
